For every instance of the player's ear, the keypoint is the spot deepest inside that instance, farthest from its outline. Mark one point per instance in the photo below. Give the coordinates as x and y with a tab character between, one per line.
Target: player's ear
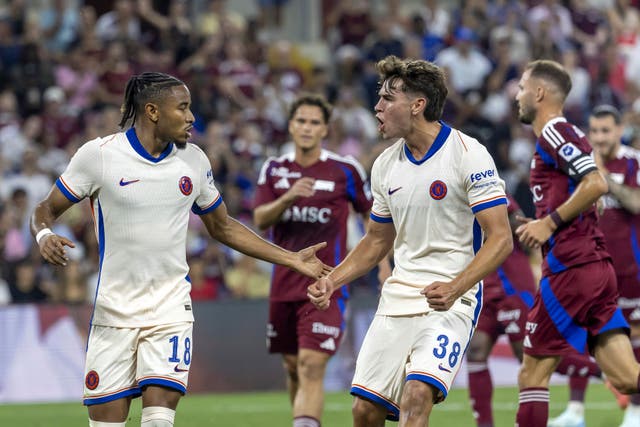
418	105
151	111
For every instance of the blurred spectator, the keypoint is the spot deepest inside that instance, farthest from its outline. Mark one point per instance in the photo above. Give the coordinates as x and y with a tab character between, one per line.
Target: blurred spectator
121	23
57	121
350	21
59	21
246	279
25	284
217	20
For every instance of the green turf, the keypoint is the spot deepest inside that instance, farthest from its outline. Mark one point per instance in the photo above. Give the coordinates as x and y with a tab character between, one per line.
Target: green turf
272	409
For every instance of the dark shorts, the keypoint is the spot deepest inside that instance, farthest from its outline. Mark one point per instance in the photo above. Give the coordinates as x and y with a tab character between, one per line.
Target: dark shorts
629	299
571	308
507	315
298	324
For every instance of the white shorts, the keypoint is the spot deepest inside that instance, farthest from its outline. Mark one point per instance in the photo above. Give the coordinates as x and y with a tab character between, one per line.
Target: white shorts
425	347
120	361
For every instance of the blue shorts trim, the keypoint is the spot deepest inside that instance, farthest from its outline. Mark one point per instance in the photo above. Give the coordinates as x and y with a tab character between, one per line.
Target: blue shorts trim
133	392
163	382
433	381
393	412
575	335
617	321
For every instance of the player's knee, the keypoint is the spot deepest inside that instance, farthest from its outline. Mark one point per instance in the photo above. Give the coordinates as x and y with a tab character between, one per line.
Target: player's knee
312	367
624	384
290	365
476	352
157	416
366	413
417	399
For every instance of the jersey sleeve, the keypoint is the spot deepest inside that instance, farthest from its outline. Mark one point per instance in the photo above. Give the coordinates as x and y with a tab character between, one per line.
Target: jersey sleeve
358	189
484	187
264	188
209	197
83	174
567	148
380	211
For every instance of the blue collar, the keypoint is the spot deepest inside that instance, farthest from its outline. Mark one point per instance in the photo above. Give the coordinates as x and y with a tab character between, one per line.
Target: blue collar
136	145
437	144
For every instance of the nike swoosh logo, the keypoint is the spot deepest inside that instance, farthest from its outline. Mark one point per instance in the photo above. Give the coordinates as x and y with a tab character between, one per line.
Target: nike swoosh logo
394	190
442	368
176	369
123	182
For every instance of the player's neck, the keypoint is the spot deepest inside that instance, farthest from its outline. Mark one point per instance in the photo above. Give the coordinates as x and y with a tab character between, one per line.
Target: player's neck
306	158
421	138
543	117
154	146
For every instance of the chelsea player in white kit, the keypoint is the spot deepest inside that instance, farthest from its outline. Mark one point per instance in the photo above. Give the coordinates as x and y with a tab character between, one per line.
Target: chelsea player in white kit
142	183
439	202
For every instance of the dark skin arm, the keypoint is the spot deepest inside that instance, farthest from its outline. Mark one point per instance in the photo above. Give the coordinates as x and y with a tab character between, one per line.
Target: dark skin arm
232	233
52	246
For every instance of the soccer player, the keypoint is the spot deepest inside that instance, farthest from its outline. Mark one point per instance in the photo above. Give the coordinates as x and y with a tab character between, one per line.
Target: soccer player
437	198
305	197
142	183
507	296
619	223
575	305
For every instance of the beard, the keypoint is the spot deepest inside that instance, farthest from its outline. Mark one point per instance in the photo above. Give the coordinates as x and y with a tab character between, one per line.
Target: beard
527	116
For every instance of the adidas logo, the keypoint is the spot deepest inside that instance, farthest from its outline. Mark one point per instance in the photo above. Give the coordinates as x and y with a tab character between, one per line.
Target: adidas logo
527	342
512	328
329	344
282	183
635	314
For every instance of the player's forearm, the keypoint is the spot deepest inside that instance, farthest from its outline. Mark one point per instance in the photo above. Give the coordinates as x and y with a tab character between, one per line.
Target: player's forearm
264	216
41	218
366	255
591	187
239	237
628	197
495	249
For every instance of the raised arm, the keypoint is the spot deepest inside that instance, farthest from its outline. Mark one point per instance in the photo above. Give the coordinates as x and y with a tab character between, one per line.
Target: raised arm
234	234
268	214
44	215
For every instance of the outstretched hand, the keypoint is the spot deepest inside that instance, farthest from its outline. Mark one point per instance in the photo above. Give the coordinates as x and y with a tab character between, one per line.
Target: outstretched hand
307	262
52	249
319	293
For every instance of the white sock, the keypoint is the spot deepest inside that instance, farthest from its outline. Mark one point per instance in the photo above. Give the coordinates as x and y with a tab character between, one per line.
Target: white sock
305	422
157	416
576	408
103	424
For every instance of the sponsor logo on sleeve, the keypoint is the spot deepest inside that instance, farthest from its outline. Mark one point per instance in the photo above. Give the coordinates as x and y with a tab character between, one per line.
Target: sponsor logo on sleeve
569	152
477	176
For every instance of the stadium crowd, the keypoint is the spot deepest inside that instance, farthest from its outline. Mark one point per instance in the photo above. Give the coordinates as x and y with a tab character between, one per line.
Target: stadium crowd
64	64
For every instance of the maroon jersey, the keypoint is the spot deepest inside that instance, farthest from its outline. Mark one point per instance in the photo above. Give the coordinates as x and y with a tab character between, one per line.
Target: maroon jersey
559	163
620	227
514	276
339	182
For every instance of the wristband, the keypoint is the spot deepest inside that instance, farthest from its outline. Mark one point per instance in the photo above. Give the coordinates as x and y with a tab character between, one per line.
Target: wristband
42	233
557	220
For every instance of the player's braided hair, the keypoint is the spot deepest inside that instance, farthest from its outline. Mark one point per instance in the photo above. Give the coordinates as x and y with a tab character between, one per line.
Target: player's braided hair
416	76
143	88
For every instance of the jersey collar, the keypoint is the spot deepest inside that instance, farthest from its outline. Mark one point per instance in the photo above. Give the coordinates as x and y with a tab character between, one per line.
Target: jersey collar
137	146
437	144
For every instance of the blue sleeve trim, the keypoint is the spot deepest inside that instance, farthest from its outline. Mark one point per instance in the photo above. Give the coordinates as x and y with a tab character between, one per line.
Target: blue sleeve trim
66	192
133	392
381	219
165	383
489	204
393	412
198	211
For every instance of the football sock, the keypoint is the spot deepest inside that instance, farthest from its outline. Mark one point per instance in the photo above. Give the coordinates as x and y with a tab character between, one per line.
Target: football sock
533	410
103	424
577	388
157	416
305	421
480	393
579	365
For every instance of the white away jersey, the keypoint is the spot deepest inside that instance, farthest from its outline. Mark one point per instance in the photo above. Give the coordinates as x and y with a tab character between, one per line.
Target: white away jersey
432	202
141	209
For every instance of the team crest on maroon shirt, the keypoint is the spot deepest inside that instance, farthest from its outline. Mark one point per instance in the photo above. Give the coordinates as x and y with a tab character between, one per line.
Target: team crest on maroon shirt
438	190
92	380
186	186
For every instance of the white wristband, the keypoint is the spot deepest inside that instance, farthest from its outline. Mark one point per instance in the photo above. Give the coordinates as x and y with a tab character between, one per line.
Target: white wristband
42	233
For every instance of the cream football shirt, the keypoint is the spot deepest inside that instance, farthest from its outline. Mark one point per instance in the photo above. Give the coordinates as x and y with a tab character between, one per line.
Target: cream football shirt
432	204
141	210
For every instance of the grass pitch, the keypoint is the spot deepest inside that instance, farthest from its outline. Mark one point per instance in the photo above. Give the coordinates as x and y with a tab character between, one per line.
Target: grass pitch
273	410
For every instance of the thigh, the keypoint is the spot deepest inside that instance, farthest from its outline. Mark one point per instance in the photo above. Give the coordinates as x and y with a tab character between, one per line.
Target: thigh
320	330
382	360
110	367
164	356
438	349
281	330
488	319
